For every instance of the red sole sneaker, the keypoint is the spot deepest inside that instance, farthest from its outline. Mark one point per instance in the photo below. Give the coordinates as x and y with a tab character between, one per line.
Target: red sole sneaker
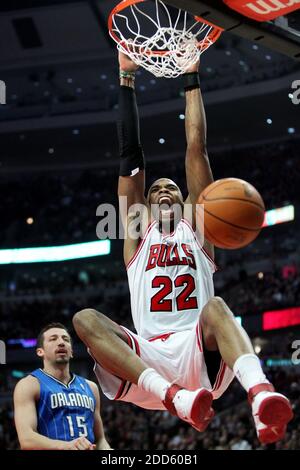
275	411
271	434
202	413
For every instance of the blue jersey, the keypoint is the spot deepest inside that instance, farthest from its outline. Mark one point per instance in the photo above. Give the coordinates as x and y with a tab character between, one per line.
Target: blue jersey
65	412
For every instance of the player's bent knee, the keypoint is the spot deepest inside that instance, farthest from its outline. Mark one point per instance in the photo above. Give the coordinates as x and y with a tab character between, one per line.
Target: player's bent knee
217	303
86	321
215	311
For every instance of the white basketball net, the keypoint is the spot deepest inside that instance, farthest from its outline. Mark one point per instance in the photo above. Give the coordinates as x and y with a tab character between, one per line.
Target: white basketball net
142	37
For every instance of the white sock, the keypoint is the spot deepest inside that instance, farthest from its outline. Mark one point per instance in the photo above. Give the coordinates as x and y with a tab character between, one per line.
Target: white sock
248	371
151	381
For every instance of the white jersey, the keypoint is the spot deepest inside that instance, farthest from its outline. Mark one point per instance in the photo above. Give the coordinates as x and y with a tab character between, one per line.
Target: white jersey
170	280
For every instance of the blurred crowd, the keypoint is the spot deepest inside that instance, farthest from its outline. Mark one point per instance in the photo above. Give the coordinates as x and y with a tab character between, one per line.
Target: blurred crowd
264	291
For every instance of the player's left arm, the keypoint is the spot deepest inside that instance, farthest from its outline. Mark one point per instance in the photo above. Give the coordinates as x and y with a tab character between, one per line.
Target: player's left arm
100	440
197	166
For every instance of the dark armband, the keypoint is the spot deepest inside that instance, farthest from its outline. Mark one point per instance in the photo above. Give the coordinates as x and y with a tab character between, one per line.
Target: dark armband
131	152
191	81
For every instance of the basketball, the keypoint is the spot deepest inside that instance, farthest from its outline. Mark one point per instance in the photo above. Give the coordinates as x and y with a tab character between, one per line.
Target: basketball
233	213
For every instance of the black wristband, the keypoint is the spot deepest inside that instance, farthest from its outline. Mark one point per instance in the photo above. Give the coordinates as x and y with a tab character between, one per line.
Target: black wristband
191	81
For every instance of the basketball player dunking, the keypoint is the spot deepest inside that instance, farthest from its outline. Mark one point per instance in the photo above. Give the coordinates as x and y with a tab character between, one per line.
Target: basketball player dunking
188	345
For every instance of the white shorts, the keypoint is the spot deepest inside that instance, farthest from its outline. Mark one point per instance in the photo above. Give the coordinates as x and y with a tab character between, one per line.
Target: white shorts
178	357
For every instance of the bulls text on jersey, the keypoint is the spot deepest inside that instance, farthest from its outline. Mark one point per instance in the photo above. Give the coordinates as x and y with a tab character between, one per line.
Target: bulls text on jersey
170	254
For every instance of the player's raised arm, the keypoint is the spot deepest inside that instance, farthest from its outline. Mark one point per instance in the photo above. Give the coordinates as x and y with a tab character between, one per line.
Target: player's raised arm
26	393
100	440
132	174
198	171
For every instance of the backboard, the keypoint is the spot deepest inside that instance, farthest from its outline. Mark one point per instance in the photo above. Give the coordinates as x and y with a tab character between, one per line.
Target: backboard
281	34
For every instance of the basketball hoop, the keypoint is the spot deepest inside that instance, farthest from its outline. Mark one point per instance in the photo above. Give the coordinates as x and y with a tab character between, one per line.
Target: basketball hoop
153	38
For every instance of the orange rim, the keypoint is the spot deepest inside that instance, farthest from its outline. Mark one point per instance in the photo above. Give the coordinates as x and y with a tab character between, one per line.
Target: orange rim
213	36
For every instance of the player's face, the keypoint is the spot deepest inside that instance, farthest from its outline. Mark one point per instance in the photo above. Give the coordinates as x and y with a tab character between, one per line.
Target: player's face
57	347
165	191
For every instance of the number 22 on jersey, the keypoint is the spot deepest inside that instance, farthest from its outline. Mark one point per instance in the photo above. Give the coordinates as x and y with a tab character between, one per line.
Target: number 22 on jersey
184	301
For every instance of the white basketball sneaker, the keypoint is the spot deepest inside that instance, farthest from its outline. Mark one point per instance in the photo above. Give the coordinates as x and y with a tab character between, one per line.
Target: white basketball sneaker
192	407
271	412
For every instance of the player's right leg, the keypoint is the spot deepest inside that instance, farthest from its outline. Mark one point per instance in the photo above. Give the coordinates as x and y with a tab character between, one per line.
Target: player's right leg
107	343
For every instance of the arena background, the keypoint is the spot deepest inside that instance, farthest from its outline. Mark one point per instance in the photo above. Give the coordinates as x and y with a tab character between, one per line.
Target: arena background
59	162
